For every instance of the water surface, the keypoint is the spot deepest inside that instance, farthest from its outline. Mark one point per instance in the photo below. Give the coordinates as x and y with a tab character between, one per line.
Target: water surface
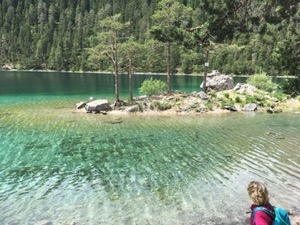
60	165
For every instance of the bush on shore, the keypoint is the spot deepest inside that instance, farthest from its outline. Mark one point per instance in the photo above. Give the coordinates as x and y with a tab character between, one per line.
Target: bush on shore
262	81
153	87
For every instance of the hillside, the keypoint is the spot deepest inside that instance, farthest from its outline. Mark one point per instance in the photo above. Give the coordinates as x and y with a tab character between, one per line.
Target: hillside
242	37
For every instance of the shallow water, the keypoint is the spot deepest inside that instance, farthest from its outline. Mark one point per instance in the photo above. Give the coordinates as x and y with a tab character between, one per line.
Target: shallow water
63	166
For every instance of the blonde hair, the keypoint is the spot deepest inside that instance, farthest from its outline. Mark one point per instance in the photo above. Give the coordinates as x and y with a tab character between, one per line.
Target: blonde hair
258	193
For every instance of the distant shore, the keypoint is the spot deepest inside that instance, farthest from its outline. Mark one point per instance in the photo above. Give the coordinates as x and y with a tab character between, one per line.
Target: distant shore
135	73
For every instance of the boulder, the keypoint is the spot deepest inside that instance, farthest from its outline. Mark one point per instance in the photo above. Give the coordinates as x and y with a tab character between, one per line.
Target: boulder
203	95
274	110
250	107
131	109
119	103
97	106
244	88
80	105
7	67
141	98
273	99
232	108
218	82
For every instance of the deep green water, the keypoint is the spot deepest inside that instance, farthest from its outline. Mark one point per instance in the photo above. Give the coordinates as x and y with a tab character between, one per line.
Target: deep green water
63	166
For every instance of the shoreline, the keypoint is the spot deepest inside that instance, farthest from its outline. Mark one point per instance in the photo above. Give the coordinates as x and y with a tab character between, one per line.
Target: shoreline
136	73
182	104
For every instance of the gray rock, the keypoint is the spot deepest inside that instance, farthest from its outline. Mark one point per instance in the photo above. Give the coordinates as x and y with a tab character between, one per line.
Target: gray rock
218	82
231	108
250	107
213	73
244	88
273	99
247	88
203	95
97	106
131	109
274	110
195	94
140	98
80	105
44	222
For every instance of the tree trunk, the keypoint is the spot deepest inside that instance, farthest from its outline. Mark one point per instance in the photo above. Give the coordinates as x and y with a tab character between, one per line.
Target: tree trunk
130	80
206	69
169	67
116	70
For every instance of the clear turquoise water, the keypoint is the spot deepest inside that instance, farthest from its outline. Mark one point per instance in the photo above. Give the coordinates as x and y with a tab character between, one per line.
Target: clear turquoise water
63	166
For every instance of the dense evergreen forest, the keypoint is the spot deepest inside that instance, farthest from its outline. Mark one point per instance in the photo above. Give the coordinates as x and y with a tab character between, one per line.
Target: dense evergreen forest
240	36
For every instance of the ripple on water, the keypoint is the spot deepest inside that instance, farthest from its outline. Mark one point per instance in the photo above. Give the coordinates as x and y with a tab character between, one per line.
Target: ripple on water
145	170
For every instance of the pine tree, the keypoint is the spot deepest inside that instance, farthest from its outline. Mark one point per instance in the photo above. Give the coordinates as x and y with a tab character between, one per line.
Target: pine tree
106	45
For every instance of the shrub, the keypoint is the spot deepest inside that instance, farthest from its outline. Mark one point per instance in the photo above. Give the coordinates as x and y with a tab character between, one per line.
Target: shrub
279	96
291	86
271	104
209	106
161	106
259	98
152	87
262	81
250	99
262	103
226	95
238	99
141	108
213	95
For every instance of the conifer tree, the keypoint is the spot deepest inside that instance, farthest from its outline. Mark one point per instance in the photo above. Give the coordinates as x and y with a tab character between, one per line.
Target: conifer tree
170	20
106	45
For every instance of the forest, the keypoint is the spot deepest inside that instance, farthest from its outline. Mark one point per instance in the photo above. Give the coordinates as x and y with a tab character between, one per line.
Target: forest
174	36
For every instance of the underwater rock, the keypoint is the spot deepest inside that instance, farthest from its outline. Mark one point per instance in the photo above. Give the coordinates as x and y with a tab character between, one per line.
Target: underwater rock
44	222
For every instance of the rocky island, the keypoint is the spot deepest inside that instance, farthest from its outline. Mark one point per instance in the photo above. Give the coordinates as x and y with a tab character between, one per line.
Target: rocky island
221	97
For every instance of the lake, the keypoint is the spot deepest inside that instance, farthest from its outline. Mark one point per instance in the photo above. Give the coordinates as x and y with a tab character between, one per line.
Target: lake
63	166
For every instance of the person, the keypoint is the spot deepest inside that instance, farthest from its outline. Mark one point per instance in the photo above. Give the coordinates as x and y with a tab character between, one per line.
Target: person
259	196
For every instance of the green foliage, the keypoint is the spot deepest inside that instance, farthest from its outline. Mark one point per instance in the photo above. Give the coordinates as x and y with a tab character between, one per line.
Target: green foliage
170	20
210	106
262	81
250	99
238	99
249	36
161	106
298	97
141	108
213	95
259	98
291	86
280	96
226	95
152	87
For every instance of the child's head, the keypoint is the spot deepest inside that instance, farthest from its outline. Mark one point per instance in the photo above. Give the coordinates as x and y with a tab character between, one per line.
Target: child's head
258	193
